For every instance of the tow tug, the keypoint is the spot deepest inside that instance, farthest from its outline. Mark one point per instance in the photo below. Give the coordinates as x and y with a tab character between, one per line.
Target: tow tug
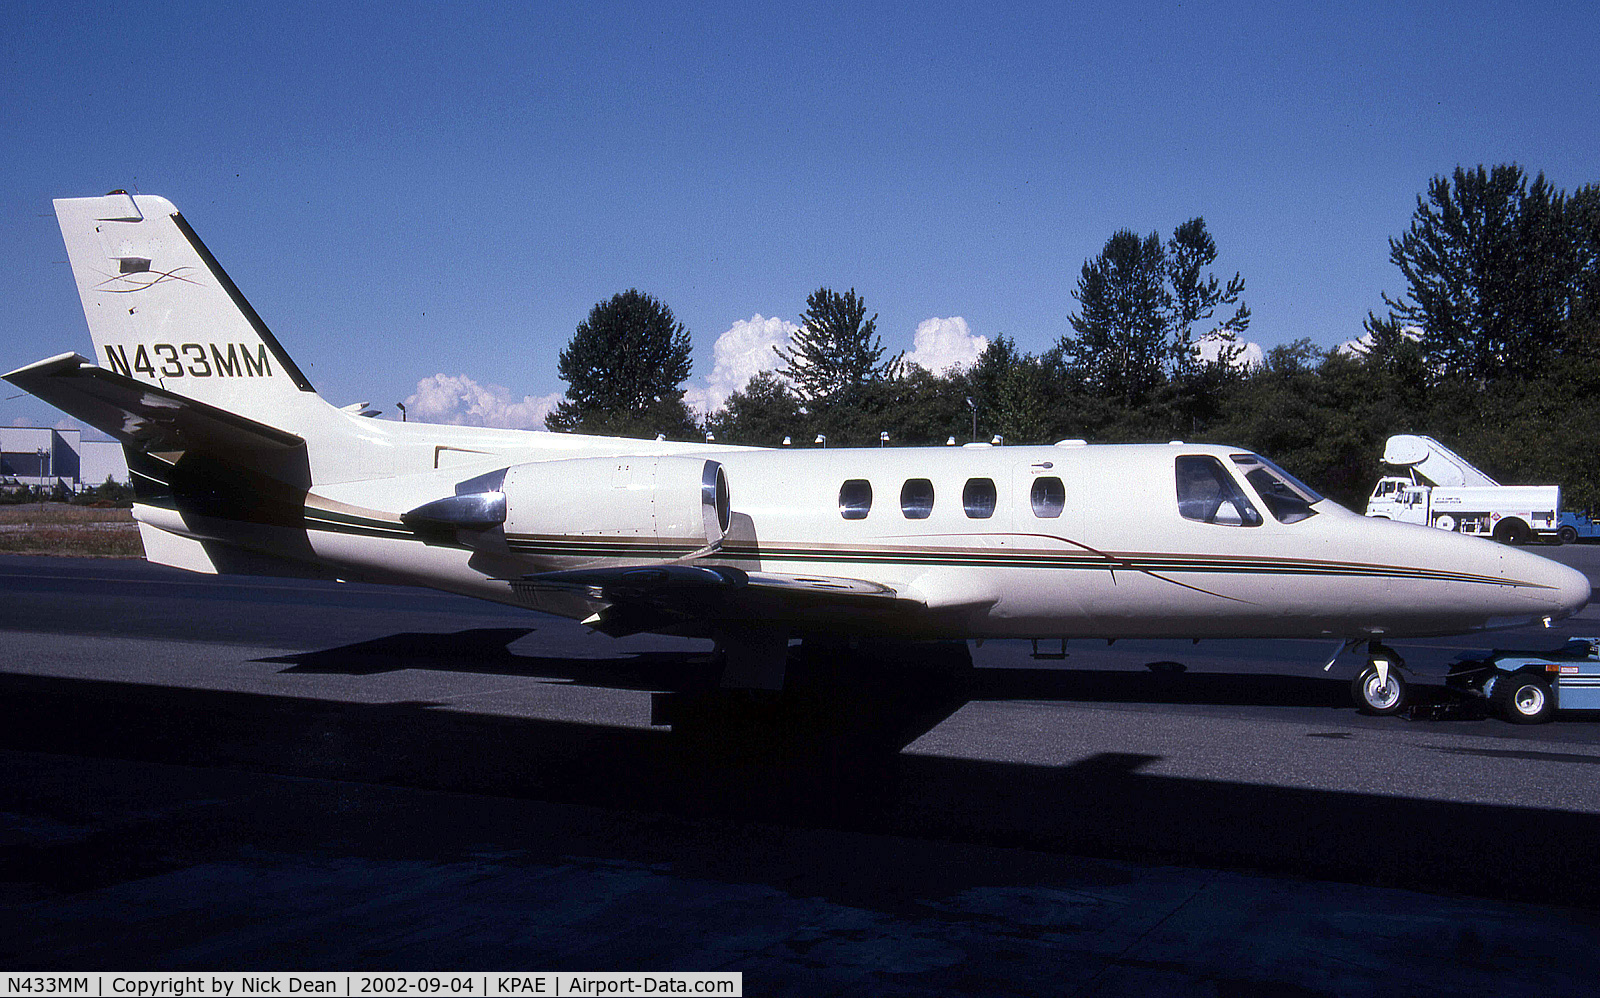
1526	687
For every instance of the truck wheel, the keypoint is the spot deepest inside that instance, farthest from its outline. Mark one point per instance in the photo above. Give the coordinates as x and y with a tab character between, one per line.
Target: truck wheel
1524	698
1374	698
1511	531
1445	522
1567	535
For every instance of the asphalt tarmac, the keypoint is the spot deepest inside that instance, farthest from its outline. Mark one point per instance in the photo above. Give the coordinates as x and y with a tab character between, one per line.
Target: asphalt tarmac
231	773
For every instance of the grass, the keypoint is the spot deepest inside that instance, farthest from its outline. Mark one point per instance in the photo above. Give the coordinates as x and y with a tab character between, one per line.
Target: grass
76	531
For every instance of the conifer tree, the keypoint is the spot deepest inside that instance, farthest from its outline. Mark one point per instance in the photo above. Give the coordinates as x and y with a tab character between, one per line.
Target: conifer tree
1196	297
836	348
1492	270
1123	343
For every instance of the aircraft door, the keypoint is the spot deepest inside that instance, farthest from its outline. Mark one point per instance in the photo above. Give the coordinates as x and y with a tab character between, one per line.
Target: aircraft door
1050	504
1047	577
1045	500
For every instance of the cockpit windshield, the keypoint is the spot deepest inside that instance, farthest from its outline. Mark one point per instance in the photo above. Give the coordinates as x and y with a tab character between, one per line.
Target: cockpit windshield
1287	498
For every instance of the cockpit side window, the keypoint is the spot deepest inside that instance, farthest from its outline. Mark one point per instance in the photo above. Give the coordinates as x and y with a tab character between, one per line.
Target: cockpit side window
1288	499
855	499
1207	493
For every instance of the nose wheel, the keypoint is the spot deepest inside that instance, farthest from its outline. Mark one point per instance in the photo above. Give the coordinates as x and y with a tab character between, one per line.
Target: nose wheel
1378	687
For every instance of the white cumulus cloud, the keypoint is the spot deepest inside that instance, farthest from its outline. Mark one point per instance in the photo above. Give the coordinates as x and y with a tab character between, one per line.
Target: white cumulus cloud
941	344
746	349
1362	345
739	354
458	400
1208	348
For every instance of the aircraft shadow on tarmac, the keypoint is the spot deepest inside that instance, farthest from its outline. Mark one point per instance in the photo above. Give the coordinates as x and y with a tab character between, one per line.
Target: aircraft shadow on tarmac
868	711
488	651
811	763
867	704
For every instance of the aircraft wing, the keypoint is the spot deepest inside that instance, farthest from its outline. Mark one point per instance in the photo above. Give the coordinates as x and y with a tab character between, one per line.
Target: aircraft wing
144	416
639	598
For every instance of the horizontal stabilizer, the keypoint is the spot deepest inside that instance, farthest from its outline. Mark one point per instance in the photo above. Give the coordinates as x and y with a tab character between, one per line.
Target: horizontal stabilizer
143	416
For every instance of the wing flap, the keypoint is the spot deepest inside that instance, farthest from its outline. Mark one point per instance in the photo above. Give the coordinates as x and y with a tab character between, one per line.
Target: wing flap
140	415
647	597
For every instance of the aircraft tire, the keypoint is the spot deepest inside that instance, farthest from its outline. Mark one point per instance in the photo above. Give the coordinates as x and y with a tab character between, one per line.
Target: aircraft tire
1381	701
1524	698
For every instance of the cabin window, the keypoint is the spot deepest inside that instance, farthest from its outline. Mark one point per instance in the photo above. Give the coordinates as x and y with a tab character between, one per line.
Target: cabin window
978	498
1048	496
855	499
1288	499
1207	493
916	498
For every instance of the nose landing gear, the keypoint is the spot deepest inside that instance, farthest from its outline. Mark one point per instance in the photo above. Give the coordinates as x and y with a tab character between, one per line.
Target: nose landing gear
1378	687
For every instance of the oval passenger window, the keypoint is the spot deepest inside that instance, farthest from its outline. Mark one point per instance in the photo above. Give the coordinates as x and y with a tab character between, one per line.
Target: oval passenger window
978	498
855	499
1049	497
916	498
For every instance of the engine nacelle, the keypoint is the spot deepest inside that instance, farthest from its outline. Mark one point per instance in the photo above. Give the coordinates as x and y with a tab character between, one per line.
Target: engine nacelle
662	498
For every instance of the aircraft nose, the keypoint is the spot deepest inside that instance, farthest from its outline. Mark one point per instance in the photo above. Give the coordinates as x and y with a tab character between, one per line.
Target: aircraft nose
1567	590
1572	590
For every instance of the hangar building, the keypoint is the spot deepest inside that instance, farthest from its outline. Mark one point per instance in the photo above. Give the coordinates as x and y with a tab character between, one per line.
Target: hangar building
42	456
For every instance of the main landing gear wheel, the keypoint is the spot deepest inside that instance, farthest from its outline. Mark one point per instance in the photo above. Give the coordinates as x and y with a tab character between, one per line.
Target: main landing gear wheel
1523	698
1379	691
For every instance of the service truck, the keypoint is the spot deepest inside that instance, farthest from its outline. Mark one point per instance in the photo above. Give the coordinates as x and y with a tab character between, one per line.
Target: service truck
1442	489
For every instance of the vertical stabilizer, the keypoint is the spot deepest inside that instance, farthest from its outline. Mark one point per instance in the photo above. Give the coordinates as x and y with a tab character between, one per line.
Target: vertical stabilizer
161	310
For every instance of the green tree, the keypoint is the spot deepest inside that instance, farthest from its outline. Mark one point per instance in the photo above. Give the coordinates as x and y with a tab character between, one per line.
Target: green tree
1196	296
1492	268
761	414
1123	345
1012	393
917	408
1582	335
624	368
835	348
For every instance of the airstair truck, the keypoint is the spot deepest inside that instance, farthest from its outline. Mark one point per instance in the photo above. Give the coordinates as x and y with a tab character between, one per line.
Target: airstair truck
1442	489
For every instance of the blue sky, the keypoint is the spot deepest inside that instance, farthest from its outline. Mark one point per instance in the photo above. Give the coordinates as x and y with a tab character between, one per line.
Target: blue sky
405	191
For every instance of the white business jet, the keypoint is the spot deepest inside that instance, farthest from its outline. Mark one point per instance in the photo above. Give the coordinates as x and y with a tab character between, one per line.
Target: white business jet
239	466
